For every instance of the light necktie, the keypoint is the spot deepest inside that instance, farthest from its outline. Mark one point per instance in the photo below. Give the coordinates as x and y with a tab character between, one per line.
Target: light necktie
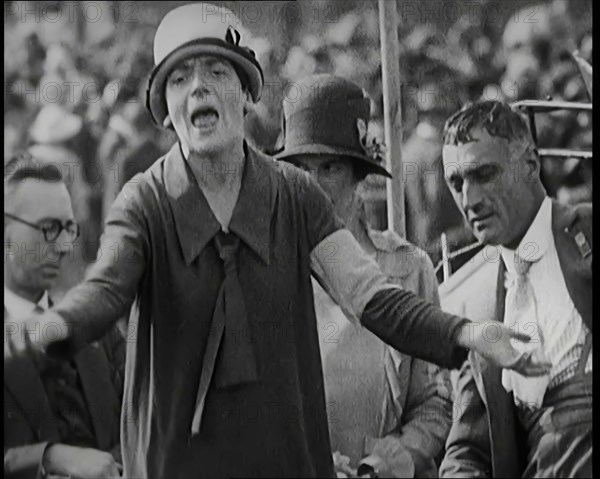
229	355
521	315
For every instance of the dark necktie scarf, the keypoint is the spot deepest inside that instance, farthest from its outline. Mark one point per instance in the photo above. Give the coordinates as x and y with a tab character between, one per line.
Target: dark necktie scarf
229	353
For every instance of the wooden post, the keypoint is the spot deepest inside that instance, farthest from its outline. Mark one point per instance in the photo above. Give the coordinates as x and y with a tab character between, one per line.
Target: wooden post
392	113
446	257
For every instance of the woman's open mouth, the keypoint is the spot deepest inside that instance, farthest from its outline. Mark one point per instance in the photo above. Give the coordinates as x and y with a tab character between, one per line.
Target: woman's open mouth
205	117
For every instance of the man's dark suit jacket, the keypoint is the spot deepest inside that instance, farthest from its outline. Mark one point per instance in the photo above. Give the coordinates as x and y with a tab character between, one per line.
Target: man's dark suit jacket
29	423
486	439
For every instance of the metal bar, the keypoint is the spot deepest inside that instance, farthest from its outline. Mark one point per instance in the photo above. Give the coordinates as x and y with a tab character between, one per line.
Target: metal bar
550	105
564	153
464	249
531	107
392	113
454	254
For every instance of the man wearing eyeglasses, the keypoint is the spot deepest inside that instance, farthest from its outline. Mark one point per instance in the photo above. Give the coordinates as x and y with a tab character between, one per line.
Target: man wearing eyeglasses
59	415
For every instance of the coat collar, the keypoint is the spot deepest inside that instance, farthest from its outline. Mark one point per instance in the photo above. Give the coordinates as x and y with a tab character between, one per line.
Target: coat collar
195	222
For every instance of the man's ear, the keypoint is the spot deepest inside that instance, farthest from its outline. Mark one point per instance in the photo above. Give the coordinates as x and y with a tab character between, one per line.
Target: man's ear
247	99
532	167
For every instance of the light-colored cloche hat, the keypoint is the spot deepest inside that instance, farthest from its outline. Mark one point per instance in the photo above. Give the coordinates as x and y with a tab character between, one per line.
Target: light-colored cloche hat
327	114
194	29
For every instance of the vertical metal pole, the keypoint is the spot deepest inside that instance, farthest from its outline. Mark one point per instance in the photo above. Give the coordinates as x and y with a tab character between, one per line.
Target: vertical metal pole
392	113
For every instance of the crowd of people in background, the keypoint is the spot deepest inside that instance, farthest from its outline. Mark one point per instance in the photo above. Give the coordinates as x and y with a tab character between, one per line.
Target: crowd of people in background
75	95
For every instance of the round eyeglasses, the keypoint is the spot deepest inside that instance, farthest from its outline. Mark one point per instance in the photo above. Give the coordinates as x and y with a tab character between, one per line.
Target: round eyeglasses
51	229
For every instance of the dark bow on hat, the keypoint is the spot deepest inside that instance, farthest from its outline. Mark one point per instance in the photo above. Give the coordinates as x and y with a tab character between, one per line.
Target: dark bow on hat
229	36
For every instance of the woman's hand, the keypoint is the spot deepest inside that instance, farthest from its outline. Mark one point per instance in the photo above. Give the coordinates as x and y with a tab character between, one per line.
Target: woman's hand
341	465
491	339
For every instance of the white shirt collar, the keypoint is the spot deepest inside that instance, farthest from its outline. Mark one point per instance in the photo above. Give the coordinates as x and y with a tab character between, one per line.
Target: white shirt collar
536	240
19	307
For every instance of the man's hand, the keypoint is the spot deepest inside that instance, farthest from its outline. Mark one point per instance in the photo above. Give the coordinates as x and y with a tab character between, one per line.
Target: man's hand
491	339
33	334
80	463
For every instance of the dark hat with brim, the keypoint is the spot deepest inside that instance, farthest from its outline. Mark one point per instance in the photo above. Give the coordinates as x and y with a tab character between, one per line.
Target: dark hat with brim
328	117
199	29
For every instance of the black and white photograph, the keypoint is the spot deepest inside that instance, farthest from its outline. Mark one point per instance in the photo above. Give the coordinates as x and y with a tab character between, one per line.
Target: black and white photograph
300	238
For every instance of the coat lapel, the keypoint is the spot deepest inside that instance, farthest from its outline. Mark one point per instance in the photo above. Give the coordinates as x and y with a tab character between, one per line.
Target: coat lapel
23	381
575	262
397	377
98	391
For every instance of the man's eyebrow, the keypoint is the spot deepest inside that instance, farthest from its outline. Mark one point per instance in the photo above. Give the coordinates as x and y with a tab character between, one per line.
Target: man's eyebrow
53	218
477	170
482	168
468	170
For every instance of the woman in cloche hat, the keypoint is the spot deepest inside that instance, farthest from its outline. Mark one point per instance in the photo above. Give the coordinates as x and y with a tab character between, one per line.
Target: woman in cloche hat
326	134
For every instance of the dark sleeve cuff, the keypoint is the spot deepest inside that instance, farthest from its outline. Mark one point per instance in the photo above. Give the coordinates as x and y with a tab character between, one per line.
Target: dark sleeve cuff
415	327
459	353
77	340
